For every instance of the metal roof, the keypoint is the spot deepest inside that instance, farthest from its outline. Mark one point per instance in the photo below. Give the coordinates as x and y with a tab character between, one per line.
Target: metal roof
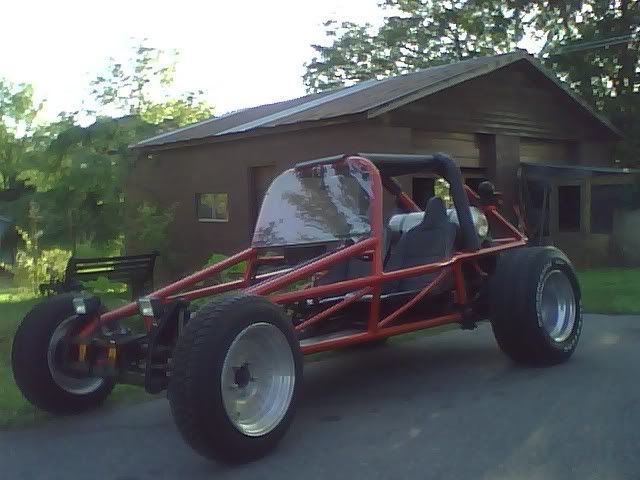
575	171
371	97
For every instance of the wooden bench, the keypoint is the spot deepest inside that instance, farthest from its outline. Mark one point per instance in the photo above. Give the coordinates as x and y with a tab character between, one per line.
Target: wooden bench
135	270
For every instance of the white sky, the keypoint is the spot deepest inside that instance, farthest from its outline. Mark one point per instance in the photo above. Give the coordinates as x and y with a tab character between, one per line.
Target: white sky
240	53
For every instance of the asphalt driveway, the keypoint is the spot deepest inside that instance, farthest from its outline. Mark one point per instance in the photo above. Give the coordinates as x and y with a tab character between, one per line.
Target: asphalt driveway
445	407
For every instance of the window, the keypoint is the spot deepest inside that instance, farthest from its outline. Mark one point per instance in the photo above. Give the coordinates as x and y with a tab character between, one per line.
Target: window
569	208
606	200
212	207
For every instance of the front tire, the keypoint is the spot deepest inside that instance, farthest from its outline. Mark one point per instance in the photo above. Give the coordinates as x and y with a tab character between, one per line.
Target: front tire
35	365
235	380
535	306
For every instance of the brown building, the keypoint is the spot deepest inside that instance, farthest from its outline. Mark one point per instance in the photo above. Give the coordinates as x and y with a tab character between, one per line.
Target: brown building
490	114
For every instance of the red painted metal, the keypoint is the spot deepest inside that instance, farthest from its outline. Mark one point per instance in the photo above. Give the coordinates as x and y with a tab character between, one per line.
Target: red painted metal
248	271
404	200
334	308
409	205
163	293
375	218
371	284
224	287
506	224
321	291
211	290
461	289
321	264
471	194
348	340
203	274
419	296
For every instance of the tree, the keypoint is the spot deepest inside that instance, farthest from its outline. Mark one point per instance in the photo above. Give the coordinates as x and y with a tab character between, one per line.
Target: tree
595	46
81	178
418	34
592	44
143	85
18	135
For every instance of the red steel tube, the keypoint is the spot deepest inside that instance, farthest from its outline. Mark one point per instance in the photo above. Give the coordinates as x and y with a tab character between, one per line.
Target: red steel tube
419	296
461	289
375	219
381	333
505	223
313	267
322	290
334	308
210	290
224	287
163	293
203	274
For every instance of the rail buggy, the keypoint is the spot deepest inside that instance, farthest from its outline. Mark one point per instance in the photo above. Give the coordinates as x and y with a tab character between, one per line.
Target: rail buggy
340	256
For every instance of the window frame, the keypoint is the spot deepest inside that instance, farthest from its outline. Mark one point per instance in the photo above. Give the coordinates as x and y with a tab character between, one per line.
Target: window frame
198	203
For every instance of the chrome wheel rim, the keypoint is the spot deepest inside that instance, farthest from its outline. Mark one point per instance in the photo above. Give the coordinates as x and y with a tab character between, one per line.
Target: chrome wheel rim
258	378
558	306
76	386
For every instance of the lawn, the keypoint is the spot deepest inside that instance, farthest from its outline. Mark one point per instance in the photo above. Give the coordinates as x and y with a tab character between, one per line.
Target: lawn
611	290
15	410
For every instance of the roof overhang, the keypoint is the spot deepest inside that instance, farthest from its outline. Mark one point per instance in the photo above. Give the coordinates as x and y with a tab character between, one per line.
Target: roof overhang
540	170
373	98
489	67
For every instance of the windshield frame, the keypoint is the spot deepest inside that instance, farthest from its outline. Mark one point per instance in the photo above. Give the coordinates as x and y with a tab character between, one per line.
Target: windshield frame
359	169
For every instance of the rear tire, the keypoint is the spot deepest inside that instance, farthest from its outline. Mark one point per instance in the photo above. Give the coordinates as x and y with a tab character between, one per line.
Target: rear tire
34	367
236	378
535	306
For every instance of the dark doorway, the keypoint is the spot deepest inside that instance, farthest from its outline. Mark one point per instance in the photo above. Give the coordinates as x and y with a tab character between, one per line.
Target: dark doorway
422	190
569	208
260	178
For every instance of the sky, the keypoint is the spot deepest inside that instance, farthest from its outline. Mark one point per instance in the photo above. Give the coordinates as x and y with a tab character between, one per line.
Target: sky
240	53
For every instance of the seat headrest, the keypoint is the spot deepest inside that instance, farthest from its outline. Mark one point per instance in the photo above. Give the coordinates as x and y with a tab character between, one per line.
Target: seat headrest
435	213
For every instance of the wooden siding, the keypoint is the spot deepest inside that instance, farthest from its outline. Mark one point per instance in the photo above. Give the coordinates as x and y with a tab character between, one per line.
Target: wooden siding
491	122
170	178
516	100
551	152
464	148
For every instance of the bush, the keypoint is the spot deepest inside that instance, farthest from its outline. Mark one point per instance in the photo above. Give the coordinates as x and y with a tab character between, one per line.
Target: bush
104	285
232	273
34	266
148	228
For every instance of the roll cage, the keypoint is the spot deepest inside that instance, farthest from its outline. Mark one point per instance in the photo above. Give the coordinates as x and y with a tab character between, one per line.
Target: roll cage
294	287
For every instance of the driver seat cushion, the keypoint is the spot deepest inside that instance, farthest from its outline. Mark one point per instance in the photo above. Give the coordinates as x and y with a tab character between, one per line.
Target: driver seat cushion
428	242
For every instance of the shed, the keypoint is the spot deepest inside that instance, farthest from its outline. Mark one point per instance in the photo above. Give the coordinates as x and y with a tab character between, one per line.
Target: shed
488	113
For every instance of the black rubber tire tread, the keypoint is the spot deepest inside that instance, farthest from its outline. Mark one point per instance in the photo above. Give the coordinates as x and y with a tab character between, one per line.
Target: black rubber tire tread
194	388
30	365
514	306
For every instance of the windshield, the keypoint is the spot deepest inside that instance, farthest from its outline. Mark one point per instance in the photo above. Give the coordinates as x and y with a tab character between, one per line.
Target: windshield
319	204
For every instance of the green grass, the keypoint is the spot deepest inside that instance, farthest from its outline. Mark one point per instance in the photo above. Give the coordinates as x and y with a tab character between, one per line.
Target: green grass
611	290
14	409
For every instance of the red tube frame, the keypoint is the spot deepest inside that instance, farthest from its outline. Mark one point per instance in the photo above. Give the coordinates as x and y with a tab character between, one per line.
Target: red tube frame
270	283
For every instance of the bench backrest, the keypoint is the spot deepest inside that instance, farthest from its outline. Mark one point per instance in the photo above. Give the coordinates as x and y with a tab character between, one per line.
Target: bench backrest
132	267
